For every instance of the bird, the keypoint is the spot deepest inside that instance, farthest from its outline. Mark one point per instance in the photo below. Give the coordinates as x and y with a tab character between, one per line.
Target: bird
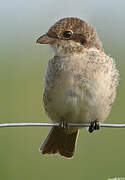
79	84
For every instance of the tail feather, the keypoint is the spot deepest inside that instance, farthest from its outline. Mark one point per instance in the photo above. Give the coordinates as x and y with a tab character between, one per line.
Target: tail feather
58	141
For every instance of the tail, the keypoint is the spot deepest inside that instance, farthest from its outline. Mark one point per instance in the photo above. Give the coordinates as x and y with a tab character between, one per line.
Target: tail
58	141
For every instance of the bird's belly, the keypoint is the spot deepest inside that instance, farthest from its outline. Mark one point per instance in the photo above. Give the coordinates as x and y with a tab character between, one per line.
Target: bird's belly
74	104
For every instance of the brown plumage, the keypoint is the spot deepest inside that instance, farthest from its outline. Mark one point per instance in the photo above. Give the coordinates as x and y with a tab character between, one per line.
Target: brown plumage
80	82
58	141
82	32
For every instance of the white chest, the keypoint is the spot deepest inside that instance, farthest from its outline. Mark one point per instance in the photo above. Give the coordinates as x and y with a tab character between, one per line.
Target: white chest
80	90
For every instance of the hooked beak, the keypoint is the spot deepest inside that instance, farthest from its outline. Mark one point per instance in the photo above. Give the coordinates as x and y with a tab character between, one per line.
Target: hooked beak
45	39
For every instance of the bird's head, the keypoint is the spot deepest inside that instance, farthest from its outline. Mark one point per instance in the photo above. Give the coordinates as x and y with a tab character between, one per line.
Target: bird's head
71	35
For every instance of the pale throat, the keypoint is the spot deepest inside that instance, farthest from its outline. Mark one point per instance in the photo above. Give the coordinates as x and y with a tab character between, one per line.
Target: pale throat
67	48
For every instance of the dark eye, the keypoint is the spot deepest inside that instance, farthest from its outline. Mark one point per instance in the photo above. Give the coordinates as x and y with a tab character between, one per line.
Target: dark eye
67	34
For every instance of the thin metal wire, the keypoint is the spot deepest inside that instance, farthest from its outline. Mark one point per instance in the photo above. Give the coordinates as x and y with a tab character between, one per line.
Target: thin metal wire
57	124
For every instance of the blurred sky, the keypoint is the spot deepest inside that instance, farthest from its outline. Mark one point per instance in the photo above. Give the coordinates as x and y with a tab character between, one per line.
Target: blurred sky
22	21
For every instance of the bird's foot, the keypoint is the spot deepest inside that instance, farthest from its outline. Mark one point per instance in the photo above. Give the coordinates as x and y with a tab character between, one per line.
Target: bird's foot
63	124
94	125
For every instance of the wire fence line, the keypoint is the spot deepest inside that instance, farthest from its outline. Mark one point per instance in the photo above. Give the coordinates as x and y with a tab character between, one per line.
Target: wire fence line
57	124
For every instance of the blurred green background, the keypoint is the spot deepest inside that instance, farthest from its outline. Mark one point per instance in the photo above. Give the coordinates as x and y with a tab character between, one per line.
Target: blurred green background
100	155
